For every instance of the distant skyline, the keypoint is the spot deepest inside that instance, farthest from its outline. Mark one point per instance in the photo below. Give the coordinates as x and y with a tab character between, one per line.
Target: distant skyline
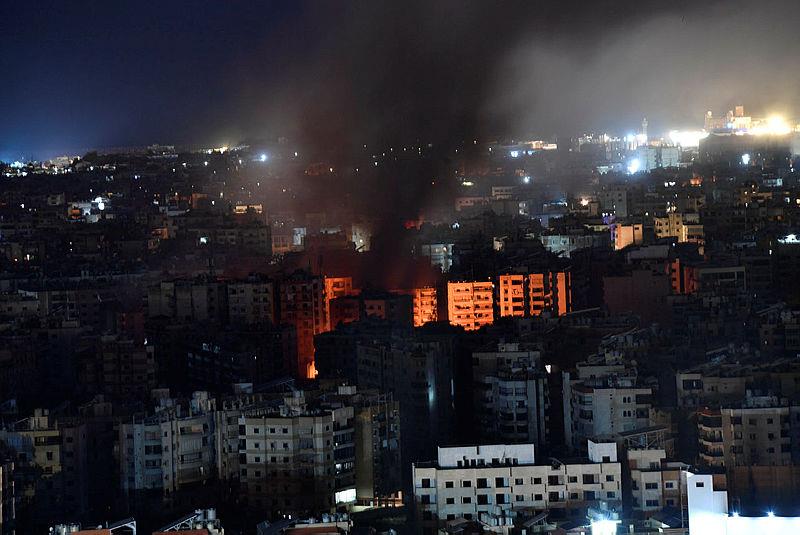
79	75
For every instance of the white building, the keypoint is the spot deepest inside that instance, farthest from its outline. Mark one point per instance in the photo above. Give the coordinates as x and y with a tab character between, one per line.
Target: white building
603	407
709	513
485	482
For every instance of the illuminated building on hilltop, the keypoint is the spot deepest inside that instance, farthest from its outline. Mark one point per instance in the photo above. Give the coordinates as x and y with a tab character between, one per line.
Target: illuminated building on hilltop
470	304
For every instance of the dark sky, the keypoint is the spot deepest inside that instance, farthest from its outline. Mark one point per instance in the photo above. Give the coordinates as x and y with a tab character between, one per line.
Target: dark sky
100	74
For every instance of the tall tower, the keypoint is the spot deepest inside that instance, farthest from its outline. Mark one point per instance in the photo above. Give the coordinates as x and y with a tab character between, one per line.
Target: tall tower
644	127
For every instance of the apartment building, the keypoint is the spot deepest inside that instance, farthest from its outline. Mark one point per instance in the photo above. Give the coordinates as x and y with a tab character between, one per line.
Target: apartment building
655	482
425	305
121	367
756	443
685	227
470	304
335	287
251	301
531	294
475	482
377	443
40	444
303	304
202	299
169	450
510	394
294	458
604	407
419	371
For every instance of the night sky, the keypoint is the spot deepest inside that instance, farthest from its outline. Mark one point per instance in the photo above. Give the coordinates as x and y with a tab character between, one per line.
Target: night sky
79	75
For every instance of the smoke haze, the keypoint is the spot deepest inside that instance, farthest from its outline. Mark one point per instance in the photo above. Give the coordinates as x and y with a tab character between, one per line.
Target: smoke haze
339	74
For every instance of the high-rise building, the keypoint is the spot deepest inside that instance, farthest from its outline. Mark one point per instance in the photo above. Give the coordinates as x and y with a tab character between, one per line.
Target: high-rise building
425	305
304	305
510	394
523	295
293	457
756	441
169	450
470	304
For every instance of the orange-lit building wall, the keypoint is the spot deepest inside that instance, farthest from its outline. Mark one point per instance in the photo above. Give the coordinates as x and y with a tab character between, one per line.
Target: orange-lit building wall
683	278
470	304
512	295
625	235
564	292
335	287
425	305
530	295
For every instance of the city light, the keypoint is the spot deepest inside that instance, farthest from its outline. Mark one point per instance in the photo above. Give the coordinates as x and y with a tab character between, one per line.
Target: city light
634	166
774	126
604	527
514	153
687	138
526	179
745	159
263	157
584	202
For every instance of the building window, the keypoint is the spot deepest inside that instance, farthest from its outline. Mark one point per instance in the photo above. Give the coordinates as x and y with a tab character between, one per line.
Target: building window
483	499
450	501
466	499
609	478
519	498
466	483
537	480
518	481
483	483
651	486
448	484
426	483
